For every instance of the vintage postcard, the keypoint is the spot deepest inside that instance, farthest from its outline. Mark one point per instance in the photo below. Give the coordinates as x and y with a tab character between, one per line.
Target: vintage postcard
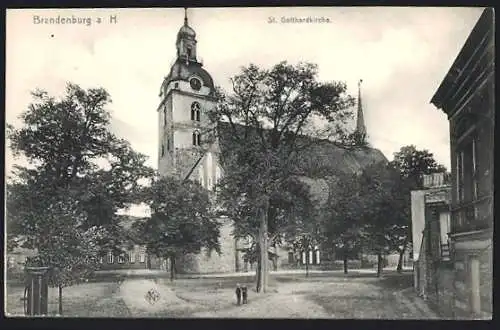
264	162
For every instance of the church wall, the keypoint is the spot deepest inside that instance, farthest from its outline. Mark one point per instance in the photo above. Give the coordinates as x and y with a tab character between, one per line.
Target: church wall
223	263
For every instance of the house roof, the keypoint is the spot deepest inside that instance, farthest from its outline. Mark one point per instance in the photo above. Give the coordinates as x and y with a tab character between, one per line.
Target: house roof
475	60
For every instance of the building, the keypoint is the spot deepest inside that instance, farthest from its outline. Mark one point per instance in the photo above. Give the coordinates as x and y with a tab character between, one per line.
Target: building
185	95
466	96
430	215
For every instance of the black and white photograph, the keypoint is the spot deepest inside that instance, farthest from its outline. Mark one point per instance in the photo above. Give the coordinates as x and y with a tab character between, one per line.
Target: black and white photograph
249	163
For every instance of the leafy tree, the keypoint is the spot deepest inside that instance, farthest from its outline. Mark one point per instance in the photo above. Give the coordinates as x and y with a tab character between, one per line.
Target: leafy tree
261	126
77	171
412	164
379	190
343	226
181	220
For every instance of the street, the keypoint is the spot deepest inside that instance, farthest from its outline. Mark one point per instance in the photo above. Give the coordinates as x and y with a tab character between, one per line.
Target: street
328	295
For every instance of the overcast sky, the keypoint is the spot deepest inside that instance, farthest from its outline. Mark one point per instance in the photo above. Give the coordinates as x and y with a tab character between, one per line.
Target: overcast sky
402	55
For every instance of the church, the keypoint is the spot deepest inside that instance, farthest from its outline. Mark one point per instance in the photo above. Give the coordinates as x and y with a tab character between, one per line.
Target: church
186	93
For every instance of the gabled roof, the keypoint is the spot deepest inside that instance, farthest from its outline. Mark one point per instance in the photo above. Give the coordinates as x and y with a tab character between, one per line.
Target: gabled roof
472	66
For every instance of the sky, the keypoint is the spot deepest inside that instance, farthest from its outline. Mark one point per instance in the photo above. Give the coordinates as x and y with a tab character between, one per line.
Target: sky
402	54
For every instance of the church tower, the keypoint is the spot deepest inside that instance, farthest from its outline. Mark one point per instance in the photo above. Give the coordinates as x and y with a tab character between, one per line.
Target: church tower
360	121
186	94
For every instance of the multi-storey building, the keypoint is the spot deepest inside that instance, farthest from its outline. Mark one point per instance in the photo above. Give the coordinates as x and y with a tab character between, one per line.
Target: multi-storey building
466	95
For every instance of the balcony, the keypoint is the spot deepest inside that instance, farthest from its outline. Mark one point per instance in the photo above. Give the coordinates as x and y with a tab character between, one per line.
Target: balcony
436	180
472	216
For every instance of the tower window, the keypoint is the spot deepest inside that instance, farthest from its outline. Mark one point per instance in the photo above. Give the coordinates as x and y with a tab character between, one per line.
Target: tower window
165	116
195	111
189	52
168	144
162	150
176	85
196	138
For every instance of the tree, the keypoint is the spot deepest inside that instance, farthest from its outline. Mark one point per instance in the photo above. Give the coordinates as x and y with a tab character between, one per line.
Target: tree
379	191
260	130
181	222
411	163
343	226
78	171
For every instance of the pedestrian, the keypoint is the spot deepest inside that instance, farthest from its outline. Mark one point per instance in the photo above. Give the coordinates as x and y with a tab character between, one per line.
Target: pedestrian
238	294
244	292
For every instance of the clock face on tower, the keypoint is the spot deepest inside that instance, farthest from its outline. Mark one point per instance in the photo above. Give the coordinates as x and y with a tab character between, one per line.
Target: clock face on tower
195	84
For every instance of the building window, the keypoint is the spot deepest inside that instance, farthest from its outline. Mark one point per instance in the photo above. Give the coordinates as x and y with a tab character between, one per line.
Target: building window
196	138
131	257
168	144
162	150
165	116
110	258
176	85
195	111
121	259
200	175
101	260
142	258
466	172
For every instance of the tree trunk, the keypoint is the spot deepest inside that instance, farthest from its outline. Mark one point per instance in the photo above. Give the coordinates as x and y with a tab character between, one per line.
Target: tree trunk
401	255
172	268
379	264
60	300
263	248
258	275
345	263
307	262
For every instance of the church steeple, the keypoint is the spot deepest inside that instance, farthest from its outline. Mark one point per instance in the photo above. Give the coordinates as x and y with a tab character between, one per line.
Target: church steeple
360	122
186	41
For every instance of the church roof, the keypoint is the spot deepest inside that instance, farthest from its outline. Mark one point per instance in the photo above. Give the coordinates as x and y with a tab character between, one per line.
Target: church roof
321	162
186	31
183	71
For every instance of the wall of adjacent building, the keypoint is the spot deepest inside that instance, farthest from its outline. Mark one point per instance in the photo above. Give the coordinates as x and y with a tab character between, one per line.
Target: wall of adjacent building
417	220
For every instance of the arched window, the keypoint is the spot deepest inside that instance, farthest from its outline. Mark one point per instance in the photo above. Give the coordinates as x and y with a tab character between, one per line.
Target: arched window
196	138
195	111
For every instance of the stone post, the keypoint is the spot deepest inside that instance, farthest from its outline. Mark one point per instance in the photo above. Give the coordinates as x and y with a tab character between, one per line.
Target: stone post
37	300
475	298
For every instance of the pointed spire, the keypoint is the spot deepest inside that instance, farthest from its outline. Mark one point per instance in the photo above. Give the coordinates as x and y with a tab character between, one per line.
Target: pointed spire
360	122
185	16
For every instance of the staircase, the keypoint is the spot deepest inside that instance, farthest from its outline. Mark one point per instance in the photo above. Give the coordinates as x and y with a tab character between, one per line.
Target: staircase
445	252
